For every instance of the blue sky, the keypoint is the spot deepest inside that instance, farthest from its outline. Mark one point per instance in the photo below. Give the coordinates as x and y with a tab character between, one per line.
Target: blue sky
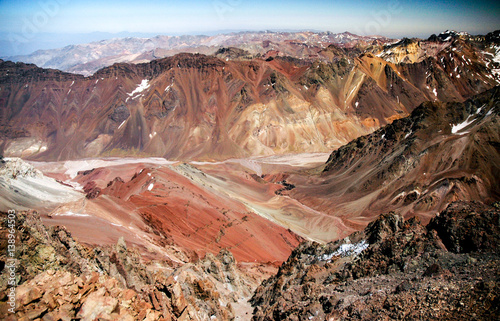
395	18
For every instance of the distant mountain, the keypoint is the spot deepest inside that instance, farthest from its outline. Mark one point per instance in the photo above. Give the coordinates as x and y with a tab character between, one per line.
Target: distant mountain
192	106
86	59
13	44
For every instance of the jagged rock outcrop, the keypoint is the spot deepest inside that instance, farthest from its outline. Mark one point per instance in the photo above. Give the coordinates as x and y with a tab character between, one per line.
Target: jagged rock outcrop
394	269
60	279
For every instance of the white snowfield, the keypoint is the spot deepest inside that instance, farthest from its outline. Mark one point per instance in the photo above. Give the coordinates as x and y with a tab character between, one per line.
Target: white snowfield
73	167
70	213
458	127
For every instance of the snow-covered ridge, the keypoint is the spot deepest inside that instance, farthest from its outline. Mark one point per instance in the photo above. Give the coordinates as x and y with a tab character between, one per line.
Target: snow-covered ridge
351	249
16	167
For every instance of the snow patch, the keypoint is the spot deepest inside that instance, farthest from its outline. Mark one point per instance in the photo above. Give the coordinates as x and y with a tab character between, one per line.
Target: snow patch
140	88
75	166
351	249
458	127
347	249
150	187
351	91
70	213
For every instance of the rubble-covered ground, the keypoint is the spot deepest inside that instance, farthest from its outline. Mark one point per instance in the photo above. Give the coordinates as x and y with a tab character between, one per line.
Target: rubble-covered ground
59	278
447	270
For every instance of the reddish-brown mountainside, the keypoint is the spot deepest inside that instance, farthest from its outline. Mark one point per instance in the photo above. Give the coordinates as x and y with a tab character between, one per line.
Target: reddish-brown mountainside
192	106
442	152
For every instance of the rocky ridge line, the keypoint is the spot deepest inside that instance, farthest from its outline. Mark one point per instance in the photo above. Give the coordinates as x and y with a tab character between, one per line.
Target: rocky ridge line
394	270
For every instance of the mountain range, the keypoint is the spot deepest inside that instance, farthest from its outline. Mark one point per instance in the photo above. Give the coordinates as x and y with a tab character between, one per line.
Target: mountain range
257	176
193	106
86	59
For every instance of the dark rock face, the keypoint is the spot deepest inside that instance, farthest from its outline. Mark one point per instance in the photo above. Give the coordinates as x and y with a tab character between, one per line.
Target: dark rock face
120	114
468	227
406	272
416	166
91	190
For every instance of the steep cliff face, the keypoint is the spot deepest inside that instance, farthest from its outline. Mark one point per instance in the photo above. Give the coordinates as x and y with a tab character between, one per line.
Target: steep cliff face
192	106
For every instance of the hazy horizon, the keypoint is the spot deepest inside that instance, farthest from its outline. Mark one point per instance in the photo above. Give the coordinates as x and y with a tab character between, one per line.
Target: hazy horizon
28	25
